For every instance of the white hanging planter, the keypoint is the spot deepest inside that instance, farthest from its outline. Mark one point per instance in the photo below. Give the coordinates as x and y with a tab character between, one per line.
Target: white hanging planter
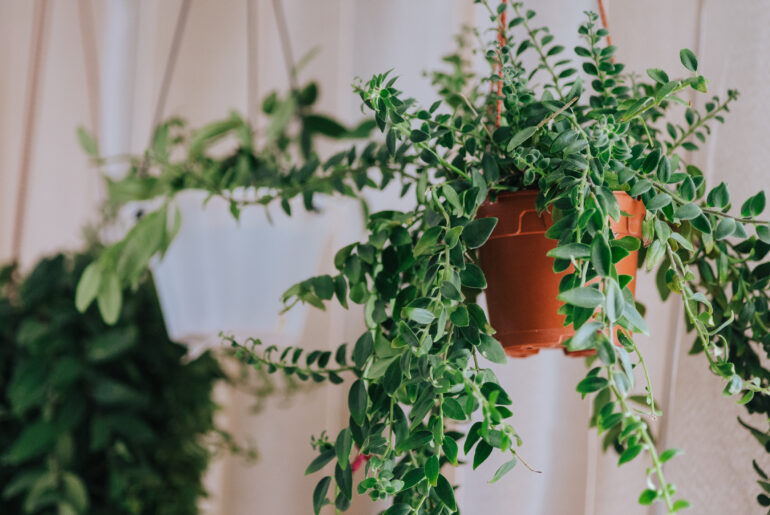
222	274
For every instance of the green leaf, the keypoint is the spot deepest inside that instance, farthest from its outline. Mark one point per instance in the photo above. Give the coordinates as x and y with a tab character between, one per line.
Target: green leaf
476	232
419	315
75	492
415	441
418	136
688	212
688	59
109	299
491	349
763	233
450	450
658	201
584	297
324	125
427	240
473	277
87	142
640	187
88	286
725	229
445	492
584	337
615	301
344	479
452	409
450	291
633	317
320	461
503	470
520	137
319	494
431	469
680	504
669	453
363	349
601	256
629	454
702	223
343	446
111	343
570	250
648	497
657	75
490	167
35	439
746	397
357	401
592	384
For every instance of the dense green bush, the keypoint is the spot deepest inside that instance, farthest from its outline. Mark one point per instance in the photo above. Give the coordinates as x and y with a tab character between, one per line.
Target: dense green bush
97	419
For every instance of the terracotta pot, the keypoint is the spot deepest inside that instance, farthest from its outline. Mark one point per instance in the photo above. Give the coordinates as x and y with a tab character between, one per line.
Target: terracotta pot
522	287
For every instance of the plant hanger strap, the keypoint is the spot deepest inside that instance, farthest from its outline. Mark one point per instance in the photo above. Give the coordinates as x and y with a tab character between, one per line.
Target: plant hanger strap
288	55
37	47
173	56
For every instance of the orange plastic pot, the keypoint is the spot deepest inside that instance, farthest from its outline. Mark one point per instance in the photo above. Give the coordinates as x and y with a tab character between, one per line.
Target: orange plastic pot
522	286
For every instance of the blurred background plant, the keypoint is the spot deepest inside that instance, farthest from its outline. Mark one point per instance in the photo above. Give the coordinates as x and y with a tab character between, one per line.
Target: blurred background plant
98	419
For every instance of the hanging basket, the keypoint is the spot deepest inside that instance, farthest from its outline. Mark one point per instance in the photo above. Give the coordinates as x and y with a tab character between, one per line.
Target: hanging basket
522	286
222	274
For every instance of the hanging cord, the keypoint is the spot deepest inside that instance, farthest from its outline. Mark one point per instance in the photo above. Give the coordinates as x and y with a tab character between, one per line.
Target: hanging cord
39	29
252	72
90	60
501	42
288	56
605	24
173	55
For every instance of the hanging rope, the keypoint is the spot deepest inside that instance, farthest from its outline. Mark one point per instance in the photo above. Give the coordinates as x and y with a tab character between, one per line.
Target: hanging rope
252	96
38	40
173	55
90	60
501	42
288	56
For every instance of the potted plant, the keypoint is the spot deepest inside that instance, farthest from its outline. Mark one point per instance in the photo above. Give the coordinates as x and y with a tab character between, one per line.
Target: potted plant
599	174
589	162
98	419
235	204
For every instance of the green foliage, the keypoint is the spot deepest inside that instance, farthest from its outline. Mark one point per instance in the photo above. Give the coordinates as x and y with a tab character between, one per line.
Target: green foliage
421	361
222	158
97	419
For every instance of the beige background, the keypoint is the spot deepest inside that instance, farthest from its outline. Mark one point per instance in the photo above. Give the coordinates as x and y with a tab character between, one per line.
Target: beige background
358	38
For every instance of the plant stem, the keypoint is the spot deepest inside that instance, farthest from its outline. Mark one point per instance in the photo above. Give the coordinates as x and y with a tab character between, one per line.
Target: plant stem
644	433
697	125
539	49
649	382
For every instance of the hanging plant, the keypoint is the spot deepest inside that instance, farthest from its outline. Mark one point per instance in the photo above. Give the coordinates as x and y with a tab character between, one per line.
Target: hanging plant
228	161
592	165
594	160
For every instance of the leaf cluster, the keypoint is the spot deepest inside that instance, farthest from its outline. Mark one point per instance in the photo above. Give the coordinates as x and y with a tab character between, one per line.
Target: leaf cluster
97	419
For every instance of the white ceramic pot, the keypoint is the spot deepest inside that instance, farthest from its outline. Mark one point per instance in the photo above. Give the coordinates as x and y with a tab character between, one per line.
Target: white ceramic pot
225	275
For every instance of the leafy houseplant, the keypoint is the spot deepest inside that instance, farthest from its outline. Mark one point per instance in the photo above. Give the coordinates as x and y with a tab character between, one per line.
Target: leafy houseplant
418	368
97	419
228	160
